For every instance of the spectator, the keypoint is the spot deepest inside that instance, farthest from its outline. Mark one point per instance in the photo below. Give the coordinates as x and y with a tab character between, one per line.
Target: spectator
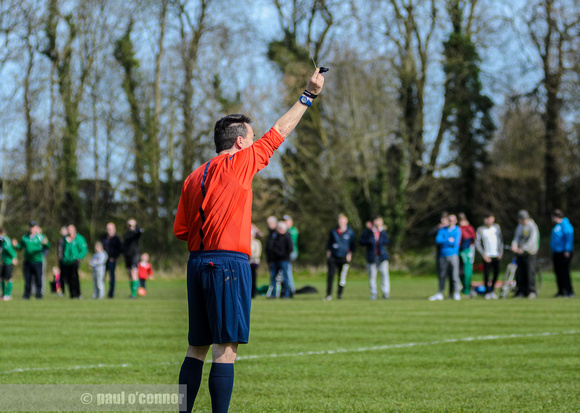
56	283
489	243
375	238
98	262
272	222
34	244
63	234
562	247
281	250
131	251
339	249
113	247
45	254
9	260
443	223
525	245
145	271
74	249
293	231
256	253
449	238
466	252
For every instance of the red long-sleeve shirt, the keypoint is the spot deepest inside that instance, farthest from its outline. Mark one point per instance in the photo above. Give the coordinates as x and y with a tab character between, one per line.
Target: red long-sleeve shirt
467	236
145	270
215	208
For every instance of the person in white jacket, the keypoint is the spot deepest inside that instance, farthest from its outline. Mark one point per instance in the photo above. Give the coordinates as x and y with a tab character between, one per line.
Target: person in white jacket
489	243
98	262
525	245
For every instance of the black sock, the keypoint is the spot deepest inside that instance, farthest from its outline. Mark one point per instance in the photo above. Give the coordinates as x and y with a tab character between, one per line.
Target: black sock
190	375
221	384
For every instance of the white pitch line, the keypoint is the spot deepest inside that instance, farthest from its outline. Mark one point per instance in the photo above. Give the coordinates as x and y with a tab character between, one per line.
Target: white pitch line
93	366
314	353
405	345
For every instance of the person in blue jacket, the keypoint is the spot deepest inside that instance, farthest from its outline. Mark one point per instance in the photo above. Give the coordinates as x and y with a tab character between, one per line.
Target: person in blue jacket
339	249
448	238
375	238
562	247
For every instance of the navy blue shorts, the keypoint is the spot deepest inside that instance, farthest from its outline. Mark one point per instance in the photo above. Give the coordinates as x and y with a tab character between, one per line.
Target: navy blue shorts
219	290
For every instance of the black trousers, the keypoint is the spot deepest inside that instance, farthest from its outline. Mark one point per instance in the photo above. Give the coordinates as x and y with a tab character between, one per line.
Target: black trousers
32	273
526	274
562	271
254	268
494	265
334	264
110	267
70	275
6	272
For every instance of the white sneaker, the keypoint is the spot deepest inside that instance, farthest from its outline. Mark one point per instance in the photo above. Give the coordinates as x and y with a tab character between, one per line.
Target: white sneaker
457	297
436	297
327	298
488	296
493	296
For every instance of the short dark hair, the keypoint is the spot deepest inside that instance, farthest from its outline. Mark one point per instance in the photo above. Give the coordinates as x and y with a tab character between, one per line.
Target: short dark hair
227	129
558	213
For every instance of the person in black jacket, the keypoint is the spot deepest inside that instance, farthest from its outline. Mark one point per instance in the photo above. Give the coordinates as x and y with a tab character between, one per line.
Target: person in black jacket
280	251
272	224
339	249
132	257
113	247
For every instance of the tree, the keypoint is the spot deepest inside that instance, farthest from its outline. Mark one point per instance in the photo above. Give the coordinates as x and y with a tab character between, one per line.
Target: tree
191	31
406	29
410	30
9	23
125	55
308	170
554	29
144	117
466	111
71	89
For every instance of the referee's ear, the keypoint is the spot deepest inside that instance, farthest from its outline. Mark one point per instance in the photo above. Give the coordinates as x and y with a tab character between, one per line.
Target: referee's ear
239	145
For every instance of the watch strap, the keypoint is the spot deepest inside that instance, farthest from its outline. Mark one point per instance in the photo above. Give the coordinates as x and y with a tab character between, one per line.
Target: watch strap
309	94
305	101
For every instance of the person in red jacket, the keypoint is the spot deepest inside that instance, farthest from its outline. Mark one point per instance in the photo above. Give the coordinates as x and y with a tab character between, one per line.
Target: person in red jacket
145	270
466	251
214	216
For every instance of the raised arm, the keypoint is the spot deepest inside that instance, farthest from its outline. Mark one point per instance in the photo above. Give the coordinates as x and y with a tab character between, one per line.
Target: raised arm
287	122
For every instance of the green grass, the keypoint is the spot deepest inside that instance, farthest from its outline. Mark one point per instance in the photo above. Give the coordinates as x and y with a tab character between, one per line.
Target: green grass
352	355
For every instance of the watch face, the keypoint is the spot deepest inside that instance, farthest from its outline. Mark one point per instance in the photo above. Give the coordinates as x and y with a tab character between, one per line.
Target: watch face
304	100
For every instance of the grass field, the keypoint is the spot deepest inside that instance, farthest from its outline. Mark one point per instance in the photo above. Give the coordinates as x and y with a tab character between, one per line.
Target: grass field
307	355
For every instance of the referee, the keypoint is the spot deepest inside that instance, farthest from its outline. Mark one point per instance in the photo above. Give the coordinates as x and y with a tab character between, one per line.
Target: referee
214	216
